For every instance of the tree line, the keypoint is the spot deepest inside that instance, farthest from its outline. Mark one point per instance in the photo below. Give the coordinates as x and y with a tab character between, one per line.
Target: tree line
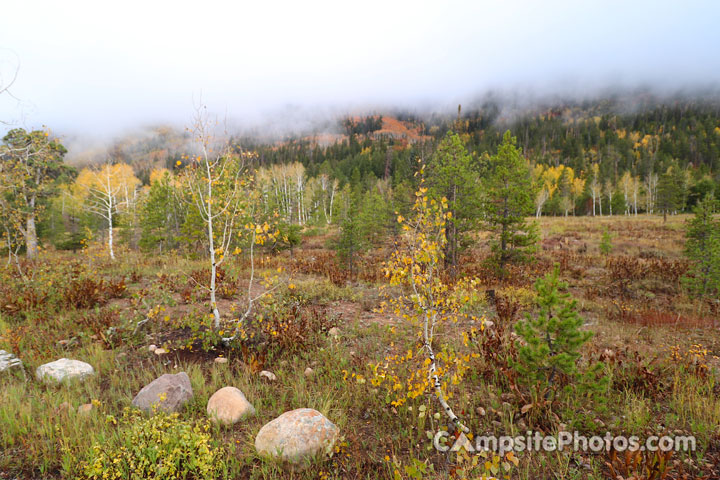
572	161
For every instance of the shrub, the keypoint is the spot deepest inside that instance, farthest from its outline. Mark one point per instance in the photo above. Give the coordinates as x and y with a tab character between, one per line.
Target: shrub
287	238
160	446
284	327
226	285
84	292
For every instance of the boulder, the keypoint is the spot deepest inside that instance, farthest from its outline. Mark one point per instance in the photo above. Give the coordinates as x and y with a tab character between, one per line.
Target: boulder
297	436
64	369
228	406
170	392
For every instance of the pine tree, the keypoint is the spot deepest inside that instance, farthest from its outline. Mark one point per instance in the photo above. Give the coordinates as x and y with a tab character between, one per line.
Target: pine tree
451	175
350	243
374	218
702	247
160	216
509	199
671	191
552	342
30	162
606	243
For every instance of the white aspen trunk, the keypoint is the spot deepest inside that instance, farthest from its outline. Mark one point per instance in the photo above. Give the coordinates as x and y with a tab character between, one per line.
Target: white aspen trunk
286	199
110	228
211	242
635	201
627	205
332	198
594	200
109	204
437	384
324	187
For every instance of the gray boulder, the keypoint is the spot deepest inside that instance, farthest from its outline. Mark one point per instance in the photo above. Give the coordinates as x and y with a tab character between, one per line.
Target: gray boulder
63	370
170	392
297	436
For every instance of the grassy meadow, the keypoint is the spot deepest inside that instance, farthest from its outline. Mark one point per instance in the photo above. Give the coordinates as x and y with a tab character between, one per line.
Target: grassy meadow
659	350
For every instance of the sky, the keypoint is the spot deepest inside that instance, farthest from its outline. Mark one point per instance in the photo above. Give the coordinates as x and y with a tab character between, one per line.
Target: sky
98	68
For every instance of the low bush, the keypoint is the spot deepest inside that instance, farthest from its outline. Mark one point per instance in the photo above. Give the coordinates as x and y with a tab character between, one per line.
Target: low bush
161	446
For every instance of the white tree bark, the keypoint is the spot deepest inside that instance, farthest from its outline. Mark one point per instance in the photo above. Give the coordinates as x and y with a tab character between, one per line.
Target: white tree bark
221	209
102	200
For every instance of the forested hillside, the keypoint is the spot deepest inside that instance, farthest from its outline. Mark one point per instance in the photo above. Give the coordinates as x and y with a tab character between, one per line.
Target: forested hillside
625	155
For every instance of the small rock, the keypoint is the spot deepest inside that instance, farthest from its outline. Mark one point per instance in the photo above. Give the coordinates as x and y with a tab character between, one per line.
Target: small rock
334	332
221	360
170	392
64	369
152	347
228	406
480	411
297	436
63	343
268	375
160	351
85	408
309	372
